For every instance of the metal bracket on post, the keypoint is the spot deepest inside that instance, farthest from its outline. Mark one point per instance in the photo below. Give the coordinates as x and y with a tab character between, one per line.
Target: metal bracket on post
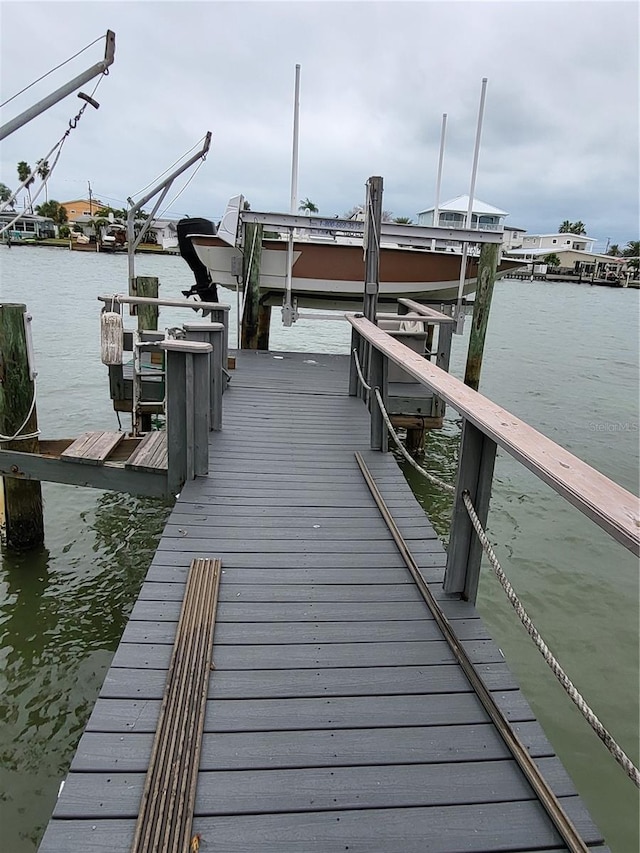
475	475
211	333
187	408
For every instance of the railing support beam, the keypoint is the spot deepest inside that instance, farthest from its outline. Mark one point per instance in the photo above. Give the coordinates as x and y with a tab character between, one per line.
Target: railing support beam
378	379
475	475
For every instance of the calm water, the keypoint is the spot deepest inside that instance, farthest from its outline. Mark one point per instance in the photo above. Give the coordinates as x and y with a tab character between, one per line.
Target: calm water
562	357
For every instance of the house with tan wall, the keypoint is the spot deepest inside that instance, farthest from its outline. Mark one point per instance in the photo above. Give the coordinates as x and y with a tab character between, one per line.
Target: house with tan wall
81	207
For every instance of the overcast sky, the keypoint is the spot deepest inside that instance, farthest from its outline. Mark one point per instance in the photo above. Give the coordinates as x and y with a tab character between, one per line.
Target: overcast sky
560	138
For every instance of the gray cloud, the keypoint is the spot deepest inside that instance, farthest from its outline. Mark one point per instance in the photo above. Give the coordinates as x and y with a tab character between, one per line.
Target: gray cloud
560	137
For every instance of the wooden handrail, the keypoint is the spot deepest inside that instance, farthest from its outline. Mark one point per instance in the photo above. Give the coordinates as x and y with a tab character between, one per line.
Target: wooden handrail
611	507
425	311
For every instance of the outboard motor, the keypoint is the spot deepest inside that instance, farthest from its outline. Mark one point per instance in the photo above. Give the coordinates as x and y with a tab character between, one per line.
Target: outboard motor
204	287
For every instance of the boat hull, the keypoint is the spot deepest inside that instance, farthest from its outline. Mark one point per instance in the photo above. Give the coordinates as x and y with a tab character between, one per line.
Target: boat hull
332	274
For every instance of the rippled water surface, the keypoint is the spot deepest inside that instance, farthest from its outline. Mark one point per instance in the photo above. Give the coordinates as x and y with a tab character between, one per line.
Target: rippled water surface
562	357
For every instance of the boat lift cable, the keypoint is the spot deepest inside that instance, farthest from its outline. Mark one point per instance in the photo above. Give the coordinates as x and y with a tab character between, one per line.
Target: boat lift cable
179	193
616	751
26	88
57	147
168	169
547	798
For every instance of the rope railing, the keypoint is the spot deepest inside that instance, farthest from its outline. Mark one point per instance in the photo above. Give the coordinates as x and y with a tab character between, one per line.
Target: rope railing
431	477
363	381
385	415
614	748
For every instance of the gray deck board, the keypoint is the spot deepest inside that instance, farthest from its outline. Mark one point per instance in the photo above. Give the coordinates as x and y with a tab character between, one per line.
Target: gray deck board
337	717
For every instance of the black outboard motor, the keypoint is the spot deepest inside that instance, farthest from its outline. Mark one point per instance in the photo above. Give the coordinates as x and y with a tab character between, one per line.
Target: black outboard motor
204	287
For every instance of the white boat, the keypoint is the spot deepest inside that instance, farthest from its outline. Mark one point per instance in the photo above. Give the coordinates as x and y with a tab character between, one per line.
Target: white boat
328	260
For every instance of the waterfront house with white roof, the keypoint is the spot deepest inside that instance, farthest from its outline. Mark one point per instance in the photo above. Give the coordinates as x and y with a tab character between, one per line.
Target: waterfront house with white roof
453	214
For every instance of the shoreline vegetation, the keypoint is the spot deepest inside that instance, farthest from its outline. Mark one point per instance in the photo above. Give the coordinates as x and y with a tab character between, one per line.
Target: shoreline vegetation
63	243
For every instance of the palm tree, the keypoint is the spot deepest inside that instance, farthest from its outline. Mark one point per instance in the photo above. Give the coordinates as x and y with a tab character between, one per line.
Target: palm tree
403	220
632	251
5	195
614	251
24	170
43	172
308	206
578	228
565	228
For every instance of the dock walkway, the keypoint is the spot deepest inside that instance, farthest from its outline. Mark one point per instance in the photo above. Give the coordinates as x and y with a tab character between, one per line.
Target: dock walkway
337	717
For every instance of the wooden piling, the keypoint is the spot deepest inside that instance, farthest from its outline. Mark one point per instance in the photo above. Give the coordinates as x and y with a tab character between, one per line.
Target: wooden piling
22	498
146	286
251	277
487	266
264	326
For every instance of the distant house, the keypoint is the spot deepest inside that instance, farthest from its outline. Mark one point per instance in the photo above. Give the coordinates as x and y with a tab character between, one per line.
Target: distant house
513	238
81	207
453	214
166	232
28	226
558	242
573	260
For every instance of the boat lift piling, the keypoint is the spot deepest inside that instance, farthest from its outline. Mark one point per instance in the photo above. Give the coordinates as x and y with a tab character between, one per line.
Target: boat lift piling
251	303
24	522
487	266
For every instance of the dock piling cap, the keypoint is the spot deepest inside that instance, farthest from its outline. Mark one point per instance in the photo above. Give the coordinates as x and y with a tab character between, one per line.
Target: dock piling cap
185	346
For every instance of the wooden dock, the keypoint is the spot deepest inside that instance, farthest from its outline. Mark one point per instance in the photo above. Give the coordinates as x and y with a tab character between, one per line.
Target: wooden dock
336	717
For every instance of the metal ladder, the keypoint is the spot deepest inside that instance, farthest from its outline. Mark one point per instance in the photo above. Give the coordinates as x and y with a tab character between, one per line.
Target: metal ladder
140	372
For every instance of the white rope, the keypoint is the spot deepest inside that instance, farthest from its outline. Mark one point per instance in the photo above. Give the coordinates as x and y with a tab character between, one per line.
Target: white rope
618	753
26	436
359	370
431	477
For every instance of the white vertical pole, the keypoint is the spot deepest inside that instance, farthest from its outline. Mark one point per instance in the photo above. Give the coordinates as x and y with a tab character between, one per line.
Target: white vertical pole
294	155
436	209
287	309
472	189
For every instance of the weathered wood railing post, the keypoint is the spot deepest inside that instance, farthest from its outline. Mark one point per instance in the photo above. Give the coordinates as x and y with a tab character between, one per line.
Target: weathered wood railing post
211	333
18	416
475	474
188	388
251	276
378	379
487	266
